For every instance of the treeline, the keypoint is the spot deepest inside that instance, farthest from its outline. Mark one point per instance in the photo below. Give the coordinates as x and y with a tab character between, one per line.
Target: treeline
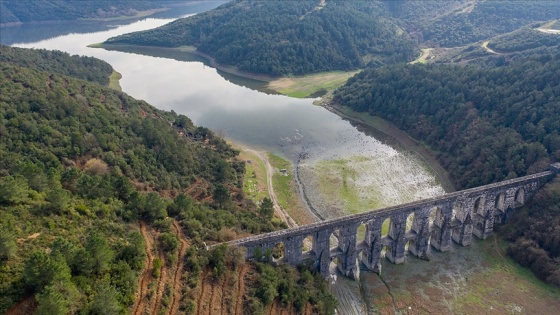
86	68
483	20
14	11
485	125
286	37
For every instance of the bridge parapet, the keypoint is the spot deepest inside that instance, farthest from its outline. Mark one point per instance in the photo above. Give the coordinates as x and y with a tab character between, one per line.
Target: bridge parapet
412	227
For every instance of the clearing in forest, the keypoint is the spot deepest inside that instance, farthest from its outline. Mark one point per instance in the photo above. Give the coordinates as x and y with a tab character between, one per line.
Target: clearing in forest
310	85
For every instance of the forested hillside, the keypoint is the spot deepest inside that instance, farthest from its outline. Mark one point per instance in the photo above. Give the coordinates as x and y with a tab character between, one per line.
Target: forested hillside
86	68
14	11
287	37
486	123
457	23
81	165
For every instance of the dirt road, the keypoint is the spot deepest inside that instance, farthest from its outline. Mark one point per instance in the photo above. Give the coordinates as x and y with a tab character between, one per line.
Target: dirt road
269	173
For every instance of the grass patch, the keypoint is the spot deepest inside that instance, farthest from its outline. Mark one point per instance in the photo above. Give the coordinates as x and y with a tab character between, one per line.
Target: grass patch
310	85
286	190
282	183
254	185
114	81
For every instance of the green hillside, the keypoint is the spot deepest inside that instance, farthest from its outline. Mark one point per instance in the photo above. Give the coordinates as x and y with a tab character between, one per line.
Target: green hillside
286	37
486	124
81	165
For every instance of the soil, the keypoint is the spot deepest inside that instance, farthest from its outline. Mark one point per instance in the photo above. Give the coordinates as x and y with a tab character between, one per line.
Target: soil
146	275
178	268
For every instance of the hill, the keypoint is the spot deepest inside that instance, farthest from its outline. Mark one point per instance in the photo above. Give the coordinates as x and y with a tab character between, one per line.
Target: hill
16	11
486	124
286	37
457	24
106	202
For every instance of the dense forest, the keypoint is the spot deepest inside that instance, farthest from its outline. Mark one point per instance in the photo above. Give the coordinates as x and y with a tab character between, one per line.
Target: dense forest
486	124
286	37
17	11
86	68
482	20
81	165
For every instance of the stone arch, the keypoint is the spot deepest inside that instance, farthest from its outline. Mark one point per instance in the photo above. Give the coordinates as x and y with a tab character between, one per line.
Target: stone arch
384	234
333	240
277	252
361	238
479	206
410	228
307	245
500	202
519	197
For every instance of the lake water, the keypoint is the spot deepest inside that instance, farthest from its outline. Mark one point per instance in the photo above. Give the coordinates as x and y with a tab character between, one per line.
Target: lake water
343	169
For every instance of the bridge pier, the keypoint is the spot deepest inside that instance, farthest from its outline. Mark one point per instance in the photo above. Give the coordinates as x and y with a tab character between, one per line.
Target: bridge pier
293	250
419	237
347	243
371	256
321	247
396	239
441	229
483	217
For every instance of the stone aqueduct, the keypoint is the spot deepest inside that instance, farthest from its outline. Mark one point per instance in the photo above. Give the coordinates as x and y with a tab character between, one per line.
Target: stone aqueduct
437	222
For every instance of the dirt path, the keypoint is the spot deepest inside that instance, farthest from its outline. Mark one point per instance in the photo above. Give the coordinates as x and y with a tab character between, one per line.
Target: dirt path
161	281
269	173
204	296
178	270
488	49
146	275
240	290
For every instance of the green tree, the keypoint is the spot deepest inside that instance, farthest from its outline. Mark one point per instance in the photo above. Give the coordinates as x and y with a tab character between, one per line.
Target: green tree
13	190
221	195
266	208
61	297
8	247
104	301
100	253
42	269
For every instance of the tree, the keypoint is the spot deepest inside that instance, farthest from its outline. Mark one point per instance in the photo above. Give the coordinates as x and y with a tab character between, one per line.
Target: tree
13	190
267	208
221	195
100	253
8	246
42	269
61	297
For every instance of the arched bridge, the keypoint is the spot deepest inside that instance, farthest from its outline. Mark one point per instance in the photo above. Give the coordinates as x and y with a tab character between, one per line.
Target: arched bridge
412	227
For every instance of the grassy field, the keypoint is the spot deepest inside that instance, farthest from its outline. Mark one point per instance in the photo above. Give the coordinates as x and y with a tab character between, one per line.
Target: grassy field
286	190
114	81
307	86
254	186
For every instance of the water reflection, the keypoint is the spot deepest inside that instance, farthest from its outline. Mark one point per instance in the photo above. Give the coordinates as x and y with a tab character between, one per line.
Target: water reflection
33	32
